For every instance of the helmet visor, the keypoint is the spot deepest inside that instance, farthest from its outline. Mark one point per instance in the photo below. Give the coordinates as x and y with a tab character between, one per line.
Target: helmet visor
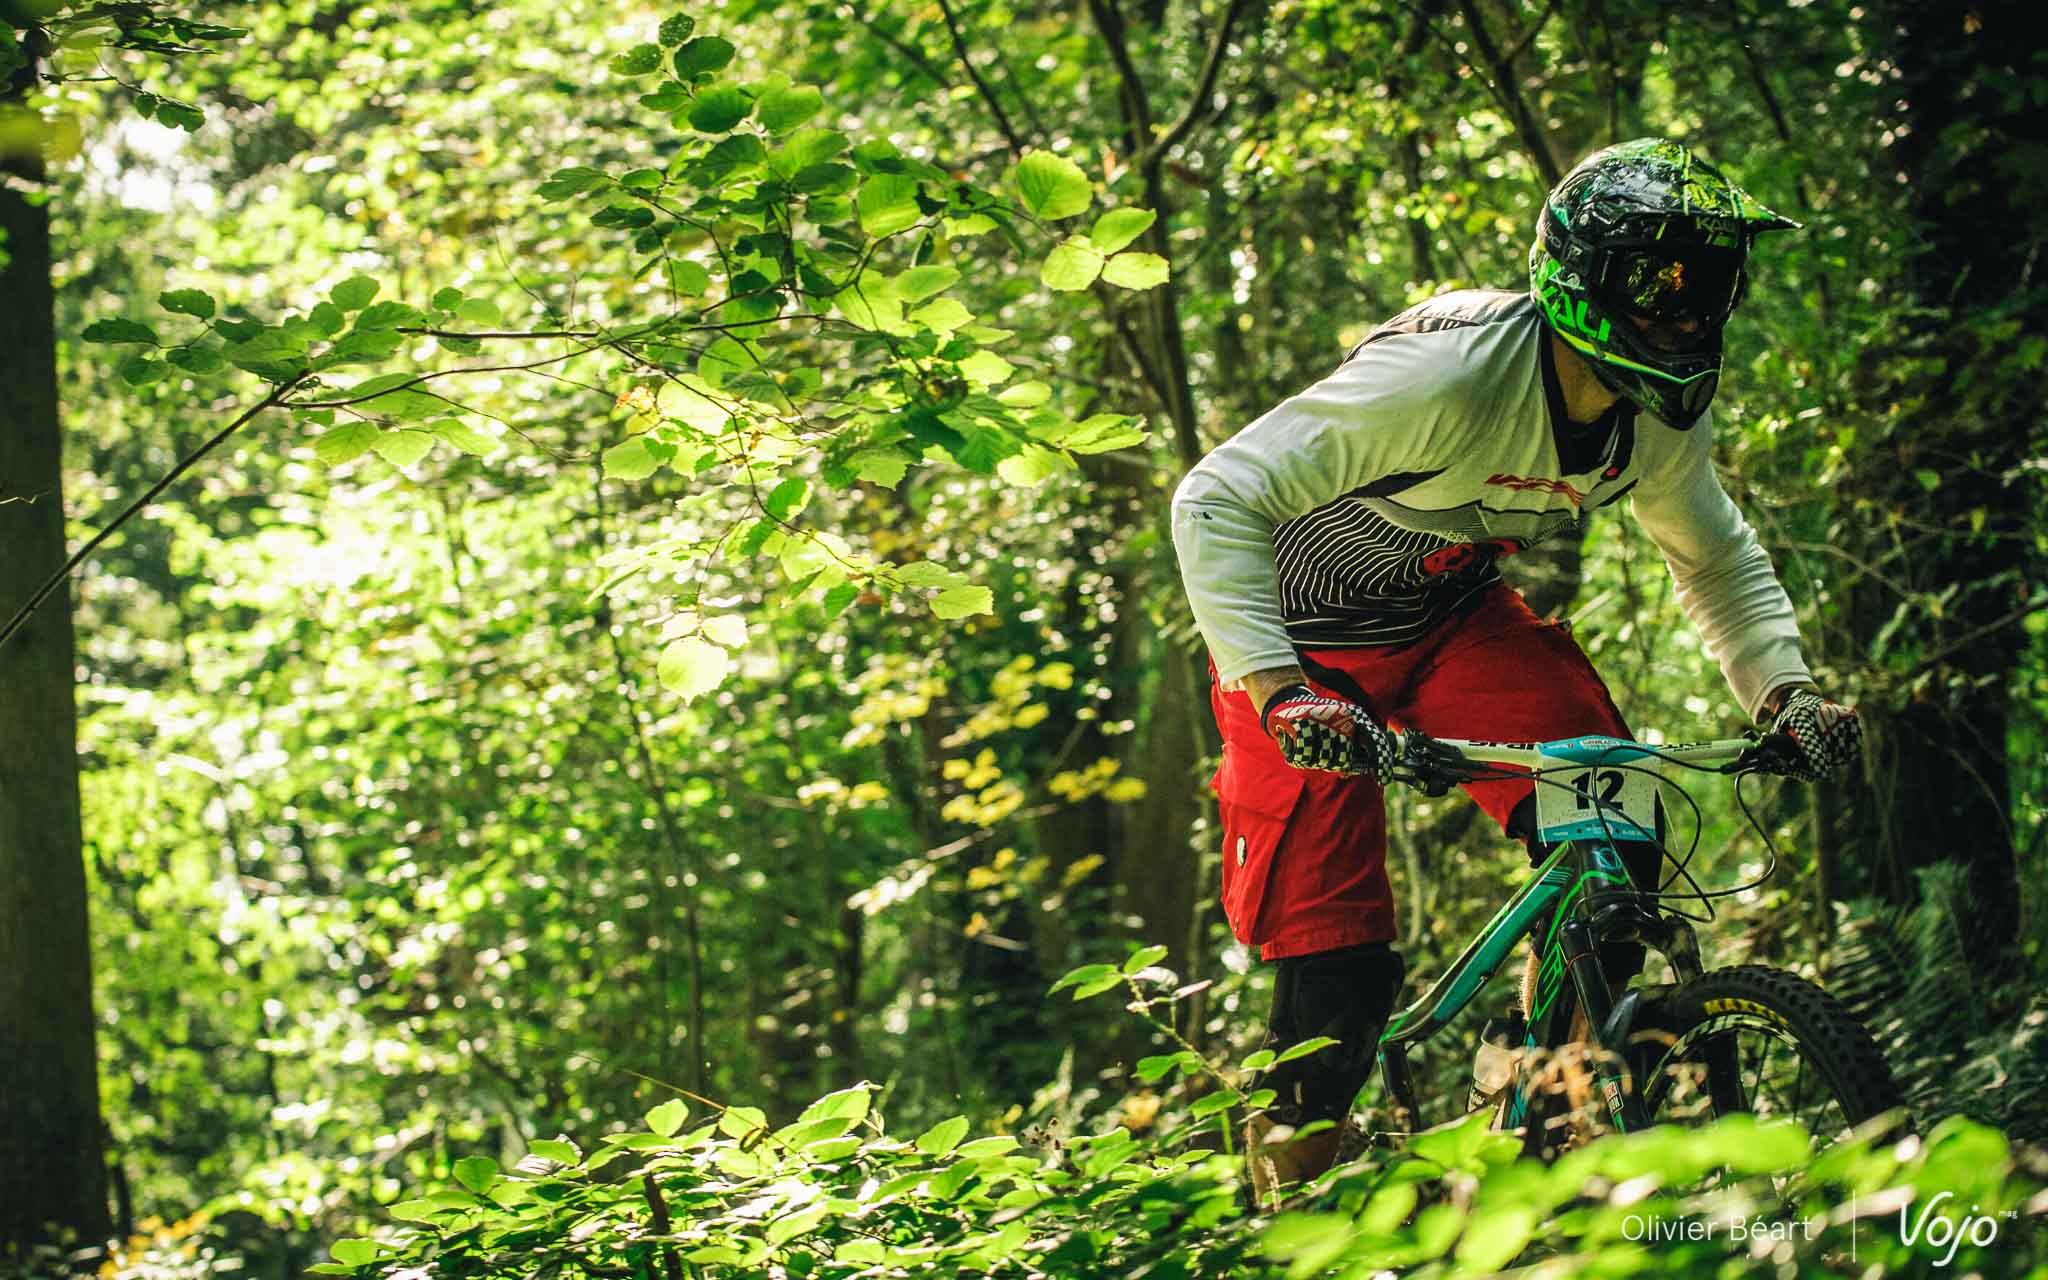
1674	284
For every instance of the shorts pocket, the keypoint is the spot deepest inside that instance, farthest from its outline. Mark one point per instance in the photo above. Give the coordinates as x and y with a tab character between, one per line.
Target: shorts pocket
1255	806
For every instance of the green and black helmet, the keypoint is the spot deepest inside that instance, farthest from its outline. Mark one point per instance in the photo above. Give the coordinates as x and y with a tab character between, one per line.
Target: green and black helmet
1638	262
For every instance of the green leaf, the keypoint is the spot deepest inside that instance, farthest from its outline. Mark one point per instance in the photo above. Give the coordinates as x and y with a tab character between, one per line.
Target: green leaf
327	318
463	436
1211	1103
196	359
689	278
788	498
882	466
1033	466
920	283
942	1137
1495	1237
1071	265
839	598
477	1173
140	371
119	331
345	443
1025	395
1314	1044
354	293
689	667
481	312
943	315
675	29
387	315
417	1211
403	447
986	368
573	181
640	60
556	1150
845	1104
1136	271
1052	186
1087	972
741	1122
1144	958
1929	480
1098	434
447	299
981	1148
784	109
701	57
887	204
630	460
669	1116
354	1252
1118	227
187	302
719	108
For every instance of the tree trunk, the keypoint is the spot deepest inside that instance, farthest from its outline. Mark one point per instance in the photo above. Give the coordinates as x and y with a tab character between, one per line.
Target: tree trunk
1960	414
52	1172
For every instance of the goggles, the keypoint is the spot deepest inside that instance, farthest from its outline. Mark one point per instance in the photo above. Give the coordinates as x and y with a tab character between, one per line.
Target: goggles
1673	283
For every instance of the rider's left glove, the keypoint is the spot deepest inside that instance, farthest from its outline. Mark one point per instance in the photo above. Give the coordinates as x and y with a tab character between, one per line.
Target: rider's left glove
1828	734
1318	732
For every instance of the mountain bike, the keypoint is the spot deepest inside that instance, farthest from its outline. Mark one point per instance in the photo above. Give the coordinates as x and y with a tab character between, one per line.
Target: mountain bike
1706	1044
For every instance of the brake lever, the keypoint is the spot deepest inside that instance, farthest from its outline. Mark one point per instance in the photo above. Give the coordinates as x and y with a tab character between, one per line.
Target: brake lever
1430	766
1774	753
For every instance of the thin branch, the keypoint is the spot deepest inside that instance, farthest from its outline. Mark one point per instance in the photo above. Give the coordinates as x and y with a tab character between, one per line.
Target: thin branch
916	56
1508	90
1211	66
987	91
21	615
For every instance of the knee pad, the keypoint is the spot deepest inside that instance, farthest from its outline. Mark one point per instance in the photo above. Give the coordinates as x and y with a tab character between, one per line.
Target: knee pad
1347	994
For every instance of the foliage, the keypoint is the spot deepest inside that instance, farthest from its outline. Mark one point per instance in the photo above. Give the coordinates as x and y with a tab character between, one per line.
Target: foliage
781	677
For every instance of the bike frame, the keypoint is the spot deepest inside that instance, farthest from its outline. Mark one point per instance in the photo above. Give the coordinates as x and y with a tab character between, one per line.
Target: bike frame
1586	915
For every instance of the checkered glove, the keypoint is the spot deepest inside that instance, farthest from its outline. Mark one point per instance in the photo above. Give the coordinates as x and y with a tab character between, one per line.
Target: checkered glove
1318	732
1827	734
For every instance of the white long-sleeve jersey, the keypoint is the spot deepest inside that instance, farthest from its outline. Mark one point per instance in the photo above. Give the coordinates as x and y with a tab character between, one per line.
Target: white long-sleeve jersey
1370	508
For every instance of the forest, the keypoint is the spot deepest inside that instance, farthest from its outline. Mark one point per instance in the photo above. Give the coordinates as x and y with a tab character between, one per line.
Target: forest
594	679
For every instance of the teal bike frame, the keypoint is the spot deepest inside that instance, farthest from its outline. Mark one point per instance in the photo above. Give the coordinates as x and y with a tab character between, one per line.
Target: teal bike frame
1584	893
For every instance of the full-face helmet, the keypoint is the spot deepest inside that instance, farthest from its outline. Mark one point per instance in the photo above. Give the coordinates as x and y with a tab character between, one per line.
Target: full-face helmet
1638	263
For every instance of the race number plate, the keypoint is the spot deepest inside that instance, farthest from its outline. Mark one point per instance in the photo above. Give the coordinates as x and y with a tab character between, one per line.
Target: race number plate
1577	801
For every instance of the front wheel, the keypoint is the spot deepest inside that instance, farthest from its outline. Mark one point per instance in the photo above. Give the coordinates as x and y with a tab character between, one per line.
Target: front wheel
1760	1040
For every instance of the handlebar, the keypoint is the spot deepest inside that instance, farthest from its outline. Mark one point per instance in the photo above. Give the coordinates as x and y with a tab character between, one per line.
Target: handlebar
1434	765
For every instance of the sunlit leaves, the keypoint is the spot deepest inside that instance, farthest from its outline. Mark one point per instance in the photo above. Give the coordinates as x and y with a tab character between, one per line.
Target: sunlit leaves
1052	186
783	109
720	108
888	204
675	29
572	181
345	443
692	667
1118	227
630	460
1072	265
702	56
403	447
354	293
667	1118
1136	270
640	60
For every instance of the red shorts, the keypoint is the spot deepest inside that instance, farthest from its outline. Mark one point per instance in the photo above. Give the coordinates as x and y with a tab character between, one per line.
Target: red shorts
1305	852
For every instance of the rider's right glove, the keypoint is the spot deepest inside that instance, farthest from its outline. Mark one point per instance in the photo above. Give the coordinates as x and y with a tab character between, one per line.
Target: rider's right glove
1828	734
1318	732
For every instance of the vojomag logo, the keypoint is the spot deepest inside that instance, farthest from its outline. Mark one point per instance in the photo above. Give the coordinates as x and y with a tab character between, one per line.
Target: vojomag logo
1939	1230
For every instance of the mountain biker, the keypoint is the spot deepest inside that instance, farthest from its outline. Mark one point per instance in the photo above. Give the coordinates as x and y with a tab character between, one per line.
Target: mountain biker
1339	556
